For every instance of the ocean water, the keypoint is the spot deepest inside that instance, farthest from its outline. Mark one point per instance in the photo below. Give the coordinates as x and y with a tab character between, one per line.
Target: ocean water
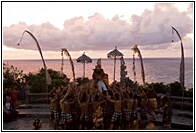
164	70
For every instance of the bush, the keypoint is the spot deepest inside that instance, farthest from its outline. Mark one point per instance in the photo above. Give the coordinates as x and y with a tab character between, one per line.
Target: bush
158	87
37	82
175	89
81	81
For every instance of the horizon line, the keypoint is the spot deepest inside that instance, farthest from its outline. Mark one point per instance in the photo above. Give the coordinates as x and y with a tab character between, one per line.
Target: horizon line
106	58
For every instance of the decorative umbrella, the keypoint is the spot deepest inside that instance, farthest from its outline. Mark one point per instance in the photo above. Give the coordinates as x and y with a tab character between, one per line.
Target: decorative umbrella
116	55
84	59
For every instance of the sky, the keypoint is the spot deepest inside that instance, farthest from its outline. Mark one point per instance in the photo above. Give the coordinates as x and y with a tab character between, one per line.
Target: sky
96	28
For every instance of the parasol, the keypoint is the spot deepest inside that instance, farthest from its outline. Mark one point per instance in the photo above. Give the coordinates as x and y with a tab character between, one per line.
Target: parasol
84	59
116	55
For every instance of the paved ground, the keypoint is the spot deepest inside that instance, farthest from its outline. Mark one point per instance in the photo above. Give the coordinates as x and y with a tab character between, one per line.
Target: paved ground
26	124
181	120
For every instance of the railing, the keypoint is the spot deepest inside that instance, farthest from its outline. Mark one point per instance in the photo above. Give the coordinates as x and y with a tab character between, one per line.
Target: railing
177	102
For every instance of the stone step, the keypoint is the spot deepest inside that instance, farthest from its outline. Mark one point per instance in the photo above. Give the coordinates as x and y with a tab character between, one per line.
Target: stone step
33	106
34	113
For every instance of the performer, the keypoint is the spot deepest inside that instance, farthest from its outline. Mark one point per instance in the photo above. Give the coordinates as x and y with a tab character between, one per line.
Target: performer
143	105
98	123
128	108
117	109
37	124
152	102
55	107
97	101
134	115
166	106
100	78
83	102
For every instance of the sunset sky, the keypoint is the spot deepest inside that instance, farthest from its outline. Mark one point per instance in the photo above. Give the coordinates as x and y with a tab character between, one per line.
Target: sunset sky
96	28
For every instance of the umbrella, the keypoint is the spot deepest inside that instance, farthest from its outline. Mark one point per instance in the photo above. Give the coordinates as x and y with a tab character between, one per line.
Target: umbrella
116	55
84	59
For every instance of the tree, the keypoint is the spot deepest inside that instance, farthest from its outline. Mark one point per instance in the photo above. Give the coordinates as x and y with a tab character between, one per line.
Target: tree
11	76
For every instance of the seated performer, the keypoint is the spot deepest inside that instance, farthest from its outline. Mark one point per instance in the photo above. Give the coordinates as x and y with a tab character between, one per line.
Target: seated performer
99	77
37	124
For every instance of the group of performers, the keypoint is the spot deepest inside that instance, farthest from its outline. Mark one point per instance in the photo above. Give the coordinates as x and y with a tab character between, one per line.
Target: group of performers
98	105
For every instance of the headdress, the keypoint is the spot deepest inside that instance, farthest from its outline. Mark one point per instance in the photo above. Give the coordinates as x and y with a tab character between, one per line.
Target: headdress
98	66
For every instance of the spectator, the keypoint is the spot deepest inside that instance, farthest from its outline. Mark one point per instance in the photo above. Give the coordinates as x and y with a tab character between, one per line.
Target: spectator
14	96
11	113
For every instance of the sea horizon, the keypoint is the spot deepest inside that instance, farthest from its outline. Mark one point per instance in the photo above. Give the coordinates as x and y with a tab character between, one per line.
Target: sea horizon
136	58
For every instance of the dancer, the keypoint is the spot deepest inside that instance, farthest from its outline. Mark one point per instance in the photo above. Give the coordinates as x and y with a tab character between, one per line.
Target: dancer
166	106
134	109
66	115
117	110
84	103
100	78
152	102
98	123
55	107
143	105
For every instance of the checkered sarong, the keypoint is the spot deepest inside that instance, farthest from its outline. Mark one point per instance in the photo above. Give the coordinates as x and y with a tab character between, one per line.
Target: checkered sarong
84	117
74	114
90	117
127	114
56	114
63	116
105	111
69	117
116	115
66	117
134	116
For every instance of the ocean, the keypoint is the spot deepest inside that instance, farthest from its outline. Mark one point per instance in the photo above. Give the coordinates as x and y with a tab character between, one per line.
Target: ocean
164	70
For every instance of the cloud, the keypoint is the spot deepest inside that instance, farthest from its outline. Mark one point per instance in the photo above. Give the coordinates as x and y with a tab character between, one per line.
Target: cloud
152	29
